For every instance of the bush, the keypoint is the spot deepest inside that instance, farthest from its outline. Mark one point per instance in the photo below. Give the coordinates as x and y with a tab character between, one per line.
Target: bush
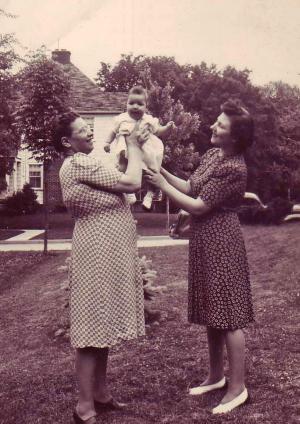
276	210
251	214
58	208
3	184
22	202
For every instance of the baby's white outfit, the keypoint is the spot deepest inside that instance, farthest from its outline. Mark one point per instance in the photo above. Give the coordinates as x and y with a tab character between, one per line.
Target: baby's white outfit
153	149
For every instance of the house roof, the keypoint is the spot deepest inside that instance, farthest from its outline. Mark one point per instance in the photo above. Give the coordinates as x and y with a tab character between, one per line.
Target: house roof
86	96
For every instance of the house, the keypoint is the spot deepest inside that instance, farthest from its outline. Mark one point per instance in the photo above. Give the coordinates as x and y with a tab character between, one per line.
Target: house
95	106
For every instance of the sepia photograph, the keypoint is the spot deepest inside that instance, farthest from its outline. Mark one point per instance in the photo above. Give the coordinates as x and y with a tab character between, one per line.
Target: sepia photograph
149	211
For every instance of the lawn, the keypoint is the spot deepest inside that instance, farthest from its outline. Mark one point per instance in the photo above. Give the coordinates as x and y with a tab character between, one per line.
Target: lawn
61	224
153	374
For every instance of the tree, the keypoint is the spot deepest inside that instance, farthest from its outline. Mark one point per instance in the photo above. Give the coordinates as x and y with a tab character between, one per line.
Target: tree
286	102
201	90
158	74
44	91
180	155
127	72
122	77
9	142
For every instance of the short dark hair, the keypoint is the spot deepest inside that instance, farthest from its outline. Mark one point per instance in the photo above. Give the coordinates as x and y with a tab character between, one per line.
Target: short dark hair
242	124
62	128
138	89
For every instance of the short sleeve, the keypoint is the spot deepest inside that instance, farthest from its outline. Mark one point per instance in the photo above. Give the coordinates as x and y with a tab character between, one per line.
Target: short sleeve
154	122
225	187
91	171
116	123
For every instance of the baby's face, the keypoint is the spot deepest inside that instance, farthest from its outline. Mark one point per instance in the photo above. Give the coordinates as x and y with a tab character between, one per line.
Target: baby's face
136	106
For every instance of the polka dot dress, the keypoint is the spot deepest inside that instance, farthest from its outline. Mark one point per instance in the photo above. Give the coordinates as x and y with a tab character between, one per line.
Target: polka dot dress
106	291
219	286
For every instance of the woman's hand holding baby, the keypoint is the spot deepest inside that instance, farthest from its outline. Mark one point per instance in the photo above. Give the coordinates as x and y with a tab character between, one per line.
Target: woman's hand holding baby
156	179
138	137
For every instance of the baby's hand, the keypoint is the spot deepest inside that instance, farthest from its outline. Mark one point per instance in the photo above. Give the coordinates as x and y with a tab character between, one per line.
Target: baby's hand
107	147
171	125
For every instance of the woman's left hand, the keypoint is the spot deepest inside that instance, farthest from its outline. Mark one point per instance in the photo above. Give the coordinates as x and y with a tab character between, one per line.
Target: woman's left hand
156	179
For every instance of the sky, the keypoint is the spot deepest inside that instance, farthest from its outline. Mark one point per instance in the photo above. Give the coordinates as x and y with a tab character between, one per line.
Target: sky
261	35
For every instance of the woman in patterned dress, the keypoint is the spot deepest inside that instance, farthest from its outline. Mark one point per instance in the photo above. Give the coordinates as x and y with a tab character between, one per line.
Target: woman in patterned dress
219	286
106	292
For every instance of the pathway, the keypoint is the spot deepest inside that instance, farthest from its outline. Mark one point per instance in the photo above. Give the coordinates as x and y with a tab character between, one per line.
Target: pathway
13	245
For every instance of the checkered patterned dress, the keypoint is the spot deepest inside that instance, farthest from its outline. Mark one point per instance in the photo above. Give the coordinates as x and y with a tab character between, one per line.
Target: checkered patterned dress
106	291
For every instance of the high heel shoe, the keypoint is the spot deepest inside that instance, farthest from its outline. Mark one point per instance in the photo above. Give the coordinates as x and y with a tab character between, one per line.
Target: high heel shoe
200	390
223	408
78	420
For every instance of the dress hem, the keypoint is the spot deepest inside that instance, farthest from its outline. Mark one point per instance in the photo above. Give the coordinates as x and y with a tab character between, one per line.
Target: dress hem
229	328
102	346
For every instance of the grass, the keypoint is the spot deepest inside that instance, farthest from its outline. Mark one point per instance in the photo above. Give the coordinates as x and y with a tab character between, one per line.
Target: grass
35	221
6	234
61	224
153	374
13	265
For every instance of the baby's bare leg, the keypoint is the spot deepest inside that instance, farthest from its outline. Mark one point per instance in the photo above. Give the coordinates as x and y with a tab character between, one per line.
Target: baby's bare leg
123	161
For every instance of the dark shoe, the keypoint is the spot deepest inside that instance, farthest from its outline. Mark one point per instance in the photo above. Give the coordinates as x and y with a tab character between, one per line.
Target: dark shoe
111	405
78	420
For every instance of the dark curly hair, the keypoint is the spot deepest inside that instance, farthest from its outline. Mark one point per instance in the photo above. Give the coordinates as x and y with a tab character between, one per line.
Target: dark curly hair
242	124
62	128
138	89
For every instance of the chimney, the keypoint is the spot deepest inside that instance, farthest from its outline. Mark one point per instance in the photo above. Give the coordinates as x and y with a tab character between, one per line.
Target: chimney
62	56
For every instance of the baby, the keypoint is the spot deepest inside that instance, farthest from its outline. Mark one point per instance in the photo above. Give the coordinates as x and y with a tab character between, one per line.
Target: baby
153	149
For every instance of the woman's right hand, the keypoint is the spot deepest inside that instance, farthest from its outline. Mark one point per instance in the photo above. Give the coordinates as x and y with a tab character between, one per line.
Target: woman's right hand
138	137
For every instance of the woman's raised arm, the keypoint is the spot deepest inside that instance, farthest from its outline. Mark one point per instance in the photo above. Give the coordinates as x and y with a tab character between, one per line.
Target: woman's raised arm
131	180
181	185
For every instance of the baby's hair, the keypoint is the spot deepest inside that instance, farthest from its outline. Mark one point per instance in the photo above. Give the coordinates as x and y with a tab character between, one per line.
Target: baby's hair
138	89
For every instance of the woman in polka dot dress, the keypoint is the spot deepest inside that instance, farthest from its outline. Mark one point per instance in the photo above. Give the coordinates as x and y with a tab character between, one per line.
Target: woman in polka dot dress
219	286
106	290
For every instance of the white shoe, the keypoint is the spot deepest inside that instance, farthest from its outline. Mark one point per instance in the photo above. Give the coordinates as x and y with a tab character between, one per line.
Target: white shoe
147	202
131	198
223	408
200	390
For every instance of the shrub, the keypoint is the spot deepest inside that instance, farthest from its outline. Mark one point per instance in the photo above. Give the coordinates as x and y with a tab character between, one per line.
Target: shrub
58	208
3	184
251	214
22	202
276	210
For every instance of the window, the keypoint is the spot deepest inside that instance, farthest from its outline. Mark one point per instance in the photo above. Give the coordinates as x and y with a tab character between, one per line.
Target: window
35	176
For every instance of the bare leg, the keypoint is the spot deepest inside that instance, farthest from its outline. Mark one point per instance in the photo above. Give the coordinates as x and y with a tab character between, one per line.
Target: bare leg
85	369
101	391
235	344
216	343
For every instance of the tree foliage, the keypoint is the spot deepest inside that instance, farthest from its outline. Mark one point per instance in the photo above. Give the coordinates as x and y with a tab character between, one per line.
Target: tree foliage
201	89
9	142
180	155
44	94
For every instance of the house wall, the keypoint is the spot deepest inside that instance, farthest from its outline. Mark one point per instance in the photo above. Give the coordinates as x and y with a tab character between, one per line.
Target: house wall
101	124
20	175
